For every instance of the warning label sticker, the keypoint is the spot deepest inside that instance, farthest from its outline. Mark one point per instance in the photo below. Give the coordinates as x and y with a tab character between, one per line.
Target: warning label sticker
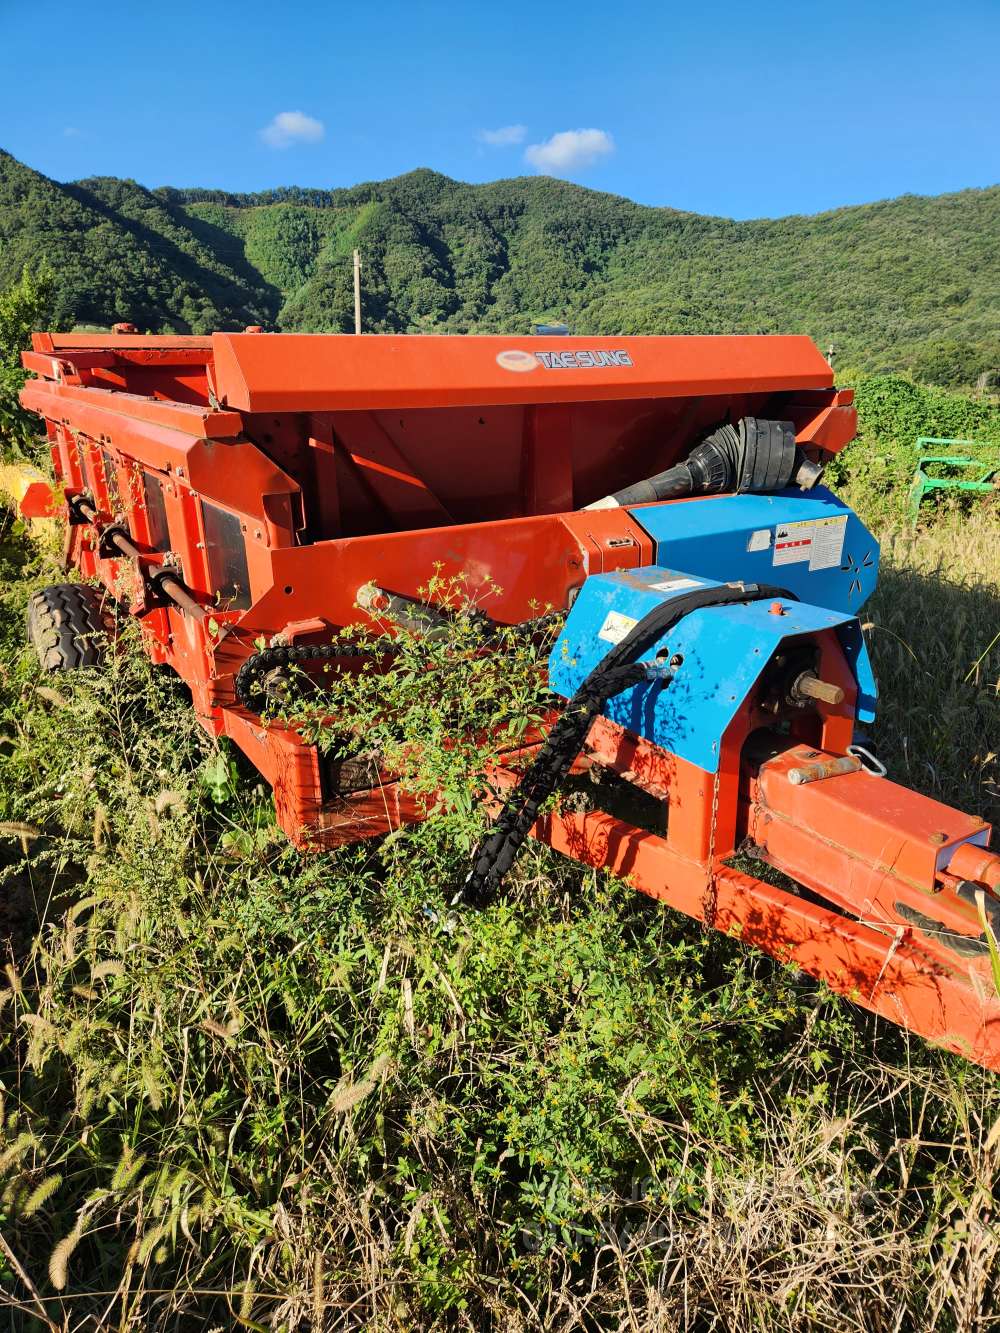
675	585
828	543
818	542
615	627
792	543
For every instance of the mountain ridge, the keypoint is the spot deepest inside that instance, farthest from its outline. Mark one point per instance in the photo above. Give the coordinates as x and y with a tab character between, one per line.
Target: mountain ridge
250	198
911	283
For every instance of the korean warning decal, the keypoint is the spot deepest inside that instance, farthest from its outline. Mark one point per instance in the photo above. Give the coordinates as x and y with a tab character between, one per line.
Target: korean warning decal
818	542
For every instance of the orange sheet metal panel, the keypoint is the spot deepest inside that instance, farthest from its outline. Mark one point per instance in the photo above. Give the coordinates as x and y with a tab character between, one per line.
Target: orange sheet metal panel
63	402
317	372
518	566
116	342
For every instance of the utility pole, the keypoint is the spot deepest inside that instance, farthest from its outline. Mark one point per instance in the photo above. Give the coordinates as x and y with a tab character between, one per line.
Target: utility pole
357	292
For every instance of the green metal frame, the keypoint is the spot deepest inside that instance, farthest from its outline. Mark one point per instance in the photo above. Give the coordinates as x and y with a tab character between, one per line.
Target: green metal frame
987	480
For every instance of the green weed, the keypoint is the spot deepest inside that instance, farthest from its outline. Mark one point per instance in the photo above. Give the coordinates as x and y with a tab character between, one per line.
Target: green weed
240	1086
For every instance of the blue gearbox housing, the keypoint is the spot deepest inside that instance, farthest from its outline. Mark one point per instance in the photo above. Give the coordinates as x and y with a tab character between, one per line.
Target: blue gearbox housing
814	546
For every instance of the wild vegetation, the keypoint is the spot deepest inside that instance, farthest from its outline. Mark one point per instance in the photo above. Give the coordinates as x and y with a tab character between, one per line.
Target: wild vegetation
910	284
24	306
874	471
244	1087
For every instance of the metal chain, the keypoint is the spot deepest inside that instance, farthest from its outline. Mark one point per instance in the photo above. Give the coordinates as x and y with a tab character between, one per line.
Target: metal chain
251	674
250	677
710	900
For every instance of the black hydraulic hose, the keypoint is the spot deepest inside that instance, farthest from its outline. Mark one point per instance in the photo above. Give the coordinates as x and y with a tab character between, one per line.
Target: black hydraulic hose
617	671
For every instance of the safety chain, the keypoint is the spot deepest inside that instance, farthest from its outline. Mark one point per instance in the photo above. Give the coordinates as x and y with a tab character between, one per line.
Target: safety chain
710	901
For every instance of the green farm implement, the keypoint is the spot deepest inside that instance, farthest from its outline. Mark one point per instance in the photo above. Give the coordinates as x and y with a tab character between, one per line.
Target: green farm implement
977	475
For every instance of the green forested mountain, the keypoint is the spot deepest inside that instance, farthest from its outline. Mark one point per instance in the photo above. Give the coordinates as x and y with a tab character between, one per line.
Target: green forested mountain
910	283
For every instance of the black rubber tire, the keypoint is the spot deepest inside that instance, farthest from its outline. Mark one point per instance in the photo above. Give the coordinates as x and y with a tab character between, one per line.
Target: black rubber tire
69	626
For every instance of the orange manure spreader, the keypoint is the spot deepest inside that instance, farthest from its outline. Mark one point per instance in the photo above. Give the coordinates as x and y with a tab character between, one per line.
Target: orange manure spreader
259	492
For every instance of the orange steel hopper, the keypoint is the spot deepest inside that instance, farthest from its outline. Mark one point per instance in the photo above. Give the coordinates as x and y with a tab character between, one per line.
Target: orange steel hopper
259	485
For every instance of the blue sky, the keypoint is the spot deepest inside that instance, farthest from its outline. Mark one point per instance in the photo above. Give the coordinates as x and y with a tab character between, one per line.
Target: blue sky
746	110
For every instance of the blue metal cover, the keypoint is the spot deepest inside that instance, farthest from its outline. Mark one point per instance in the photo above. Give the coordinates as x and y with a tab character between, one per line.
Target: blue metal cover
724	649
808	542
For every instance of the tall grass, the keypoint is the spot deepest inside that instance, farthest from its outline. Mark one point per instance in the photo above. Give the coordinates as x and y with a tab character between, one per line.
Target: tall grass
933	627
240	1087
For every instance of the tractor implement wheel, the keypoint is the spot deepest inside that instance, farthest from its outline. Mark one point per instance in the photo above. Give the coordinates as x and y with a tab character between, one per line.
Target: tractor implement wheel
69	625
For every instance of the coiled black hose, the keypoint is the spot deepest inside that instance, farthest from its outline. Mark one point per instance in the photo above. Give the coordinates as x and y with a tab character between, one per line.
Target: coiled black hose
617	671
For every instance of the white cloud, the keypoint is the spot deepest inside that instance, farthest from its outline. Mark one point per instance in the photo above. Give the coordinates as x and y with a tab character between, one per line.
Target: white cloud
505	136
290	127
71	132
568	151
